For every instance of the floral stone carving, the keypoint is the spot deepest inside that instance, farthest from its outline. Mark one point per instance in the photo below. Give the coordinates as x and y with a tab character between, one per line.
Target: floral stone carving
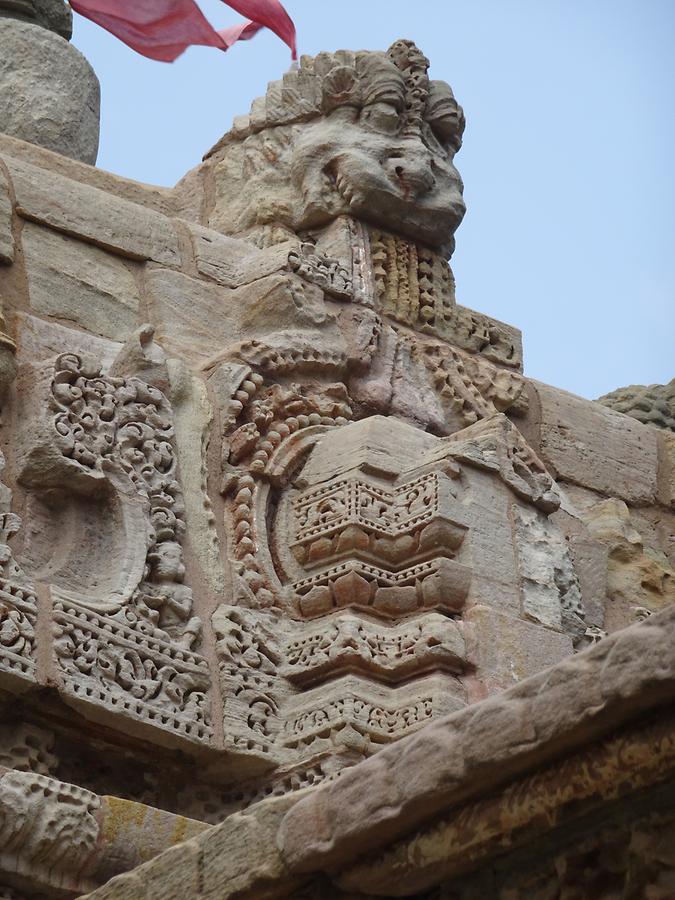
123	633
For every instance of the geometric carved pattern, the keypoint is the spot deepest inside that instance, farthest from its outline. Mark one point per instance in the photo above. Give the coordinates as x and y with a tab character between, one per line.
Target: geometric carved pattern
361	540
289	691
18	613
122	618
415	286
363	543
388	653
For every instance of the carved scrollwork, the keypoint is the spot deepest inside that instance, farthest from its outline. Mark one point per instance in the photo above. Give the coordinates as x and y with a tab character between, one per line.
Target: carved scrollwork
126	670
18	607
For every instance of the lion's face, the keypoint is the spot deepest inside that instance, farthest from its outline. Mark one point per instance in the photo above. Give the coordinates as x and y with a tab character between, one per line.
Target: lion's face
377	145
357	162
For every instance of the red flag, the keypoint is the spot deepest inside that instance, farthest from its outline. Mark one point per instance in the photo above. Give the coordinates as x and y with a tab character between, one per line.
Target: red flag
163	29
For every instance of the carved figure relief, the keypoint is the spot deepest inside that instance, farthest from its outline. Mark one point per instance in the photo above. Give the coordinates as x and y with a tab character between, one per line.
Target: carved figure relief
355	464
122	632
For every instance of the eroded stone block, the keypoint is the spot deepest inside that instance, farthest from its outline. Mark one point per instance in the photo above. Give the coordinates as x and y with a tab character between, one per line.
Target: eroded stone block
584	442
68	279
197	319
93	214
506	650
49	94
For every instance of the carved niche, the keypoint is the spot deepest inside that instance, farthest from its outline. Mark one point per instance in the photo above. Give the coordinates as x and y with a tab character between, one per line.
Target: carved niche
350	639
352	558
105	529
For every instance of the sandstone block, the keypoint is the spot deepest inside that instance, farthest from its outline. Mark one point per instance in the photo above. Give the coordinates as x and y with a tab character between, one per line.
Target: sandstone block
177	875
6	235
640	578
93	214
56	16
588	444
233	262
41	339
49	94
506	650
160	199
70	280
495	579
129	886
667	470
197	320
240	858
133	833
590	563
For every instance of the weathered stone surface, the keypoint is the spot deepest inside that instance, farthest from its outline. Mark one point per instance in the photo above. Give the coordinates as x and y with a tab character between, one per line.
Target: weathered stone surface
193	415
581	698
285	502
71	280
49	94
634	851
590	564
93	215
478	833
507	649
232	262
52	14
132	833
40	340
583	442
55	15
160	199
238	859
640	580
197	319
652	404
6	234
667	471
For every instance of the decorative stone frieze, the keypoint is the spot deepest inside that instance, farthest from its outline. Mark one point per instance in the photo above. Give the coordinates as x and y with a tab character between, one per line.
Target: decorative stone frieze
276	502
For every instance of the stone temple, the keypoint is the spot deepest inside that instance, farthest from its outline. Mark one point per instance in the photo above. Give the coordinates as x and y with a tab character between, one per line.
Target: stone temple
306	590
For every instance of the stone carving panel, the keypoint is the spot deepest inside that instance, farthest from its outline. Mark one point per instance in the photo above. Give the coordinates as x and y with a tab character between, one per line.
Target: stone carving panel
27	748
289	694
18	609
389	550
99	460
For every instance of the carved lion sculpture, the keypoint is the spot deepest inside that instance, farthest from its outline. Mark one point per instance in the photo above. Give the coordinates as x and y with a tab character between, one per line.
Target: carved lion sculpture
363	134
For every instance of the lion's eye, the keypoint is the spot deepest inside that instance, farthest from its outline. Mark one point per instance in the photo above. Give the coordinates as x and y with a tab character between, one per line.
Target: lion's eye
381	117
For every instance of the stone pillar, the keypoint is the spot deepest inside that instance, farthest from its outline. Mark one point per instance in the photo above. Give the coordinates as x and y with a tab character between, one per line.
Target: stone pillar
49	94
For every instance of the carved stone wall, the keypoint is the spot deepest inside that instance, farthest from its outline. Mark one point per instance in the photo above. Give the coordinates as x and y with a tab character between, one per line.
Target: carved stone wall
274	499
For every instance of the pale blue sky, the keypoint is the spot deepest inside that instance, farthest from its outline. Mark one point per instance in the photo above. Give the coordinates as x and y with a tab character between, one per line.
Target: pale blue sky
568	158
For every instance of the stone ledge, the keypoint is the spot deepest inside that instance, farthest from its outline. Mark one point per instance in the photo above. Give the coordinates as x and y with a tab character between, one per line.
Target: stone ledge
277	845
592	785
477	749
60	837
